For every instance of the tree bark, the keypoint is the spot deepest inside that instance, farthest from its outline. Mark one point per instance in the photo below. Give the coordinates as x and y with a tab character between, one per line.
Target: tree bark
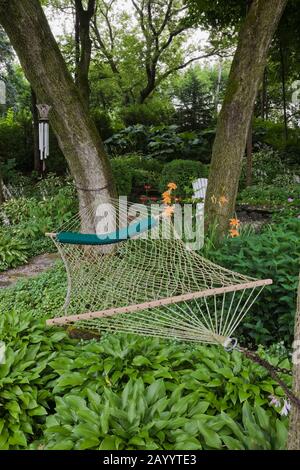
82	28
77	44
46	70
294	429
234	120
35	128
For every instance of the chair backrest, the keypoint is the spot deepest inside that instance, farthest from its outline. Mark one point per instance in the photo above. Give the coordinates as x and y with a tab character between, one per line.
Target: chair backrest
200	187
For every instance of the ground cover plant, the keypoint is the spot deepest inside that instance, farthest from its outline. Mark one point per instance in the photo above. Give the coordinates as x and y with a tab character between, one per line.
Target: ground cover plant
131	392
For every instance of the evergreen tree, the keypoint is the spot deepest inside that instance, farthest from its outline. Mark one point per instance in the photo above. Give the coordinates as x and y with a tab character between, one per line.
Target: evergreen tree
194	103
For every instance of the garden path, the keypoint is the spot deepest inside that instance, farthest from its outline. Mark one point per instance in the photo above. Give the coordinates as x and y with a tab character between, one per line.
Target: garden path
35	266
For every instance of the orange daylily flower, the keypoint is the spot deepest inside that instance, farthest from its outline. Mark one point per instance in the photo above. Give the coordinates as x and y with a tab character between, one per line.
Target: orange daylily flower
234	233
169	211
235	223
166	197
223	200
172	186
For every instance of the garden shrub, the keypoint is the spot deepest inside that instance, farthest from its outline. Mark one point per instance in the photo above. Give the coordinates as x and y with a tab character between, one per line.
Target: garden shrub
142	178
269	168
16	143
13	251
164	143
41	213
183	173
129	140
142	162
123	176
153	113
132	172
103	123
26	220
287	196
272	254
12	138
273	135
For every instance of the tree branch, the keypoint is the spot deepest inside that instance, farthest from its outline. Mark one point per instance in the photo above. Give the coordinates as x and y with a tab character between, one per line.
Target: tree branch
183	66
167	17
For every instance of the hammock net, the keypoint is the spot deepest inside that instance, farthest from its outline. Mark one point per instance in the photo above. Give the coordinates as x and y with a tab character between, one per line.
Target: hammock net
137	275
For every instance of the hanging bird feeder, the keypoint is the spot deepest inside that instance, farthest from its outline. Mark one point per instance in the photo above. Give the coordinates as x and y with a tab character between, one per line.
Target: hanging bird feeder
43	110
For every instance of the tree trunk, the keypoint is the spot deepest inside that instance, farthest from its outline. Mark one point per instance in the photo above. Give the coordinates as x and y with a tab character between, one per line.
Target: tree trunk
150	85
294	430
234	120
44	66
35	118
249	154
82	27
77	44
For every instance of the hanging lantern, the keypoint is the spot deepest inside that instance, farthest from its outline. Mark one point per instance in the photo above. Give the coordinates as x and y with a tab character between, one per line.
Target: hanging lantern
43	110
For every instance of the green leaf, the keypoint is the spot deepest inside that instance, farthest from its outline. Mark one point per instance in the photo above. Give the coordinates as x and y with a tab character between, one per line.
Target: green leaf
200	408
109	443
281	435
231	443
243	395
155	391
104	417
13	408
262	417
211	437
86	430
66	444
38	411
141	361
18	438
87	443
70	379
89	415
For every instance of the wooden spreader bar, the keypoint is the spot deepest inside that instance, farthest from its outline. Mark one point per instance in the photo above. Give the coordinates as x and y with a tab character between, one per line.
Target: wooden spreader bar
157	303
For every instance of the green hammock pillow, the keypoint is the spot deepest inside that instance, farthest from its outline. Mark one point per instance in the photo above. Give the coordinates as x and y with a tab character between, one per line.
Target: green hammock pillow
125	233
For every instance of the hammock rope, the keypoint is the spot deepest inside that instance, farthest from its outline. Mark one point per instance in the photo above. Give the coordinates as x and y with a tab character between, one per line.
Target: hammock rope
147	282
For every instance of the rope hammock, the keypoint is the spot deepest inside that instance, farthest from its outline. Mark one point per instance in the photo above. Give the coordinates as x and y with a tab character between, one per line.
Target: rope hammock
132	272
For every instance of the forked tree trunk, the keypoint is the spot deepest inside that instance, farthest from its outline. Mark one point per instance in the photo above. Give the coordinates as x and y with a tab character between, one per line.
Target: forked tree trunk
294	431
83	46
46	70
234	120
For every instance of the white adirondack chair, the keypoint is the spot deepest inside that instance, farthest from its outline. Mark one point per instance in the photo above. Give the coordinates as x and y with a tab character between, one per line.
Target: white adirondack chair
200	188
